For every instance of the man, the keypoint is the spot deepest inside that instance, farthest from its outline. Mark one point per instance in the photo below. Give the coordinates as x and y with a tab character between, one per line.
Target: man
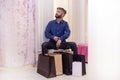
58	31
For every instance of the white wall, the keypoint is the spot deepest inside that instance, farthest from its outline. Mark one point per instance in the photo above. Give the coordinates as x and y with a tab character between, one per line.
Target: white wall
104	40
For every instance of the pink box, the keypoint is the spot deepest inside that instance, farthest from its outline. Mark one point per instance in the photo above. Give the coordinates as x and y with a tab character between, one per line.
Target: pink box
83	50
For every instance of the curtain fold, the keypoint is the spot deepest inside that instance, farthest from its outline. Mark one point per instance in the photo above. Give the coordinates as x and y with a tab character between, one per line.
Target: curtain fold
17	26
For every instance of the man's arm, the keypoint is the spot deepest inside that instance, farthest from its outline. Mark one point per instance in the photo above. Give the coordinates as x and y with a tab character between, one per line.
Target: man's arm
47	32
67	33
65	36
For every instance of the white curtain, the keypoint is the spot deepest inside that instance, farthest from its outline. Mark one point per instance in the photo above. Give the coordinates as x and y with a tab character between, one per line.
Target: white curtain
104	40
44	15
17	26
78	20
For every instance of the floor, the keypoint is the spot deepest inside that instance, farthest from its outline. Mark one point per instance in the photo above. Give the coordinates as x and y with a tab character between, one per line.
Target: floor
29	73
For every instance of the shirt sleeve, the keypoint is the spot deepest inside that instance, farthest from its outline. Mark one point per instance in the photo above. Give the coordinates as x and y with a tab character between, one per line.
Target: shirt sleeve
48	32
67	33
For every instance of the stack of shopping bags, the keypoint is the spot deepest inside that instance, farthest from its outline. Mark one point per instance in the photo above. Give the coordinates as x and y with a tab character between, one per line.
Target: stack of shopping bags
54	64
79	67
83	50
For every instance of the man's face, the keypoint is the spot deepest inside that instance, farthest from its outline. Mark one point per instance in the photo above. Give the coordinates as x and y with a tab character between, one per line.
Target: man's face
59	14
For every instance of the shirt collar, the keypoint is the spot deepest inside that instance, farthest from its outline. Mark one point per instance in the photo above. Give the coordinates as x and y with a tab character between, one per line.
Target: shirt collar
60	21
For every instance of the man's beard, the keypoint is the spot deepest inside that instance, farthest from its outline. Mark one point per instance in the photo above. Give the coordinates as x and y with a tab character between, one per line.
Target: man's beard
58	16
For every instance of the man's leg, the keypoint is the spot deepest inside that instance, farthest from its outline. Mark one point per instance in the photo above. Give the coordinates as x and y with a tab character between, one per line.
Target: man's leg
46	46
72	45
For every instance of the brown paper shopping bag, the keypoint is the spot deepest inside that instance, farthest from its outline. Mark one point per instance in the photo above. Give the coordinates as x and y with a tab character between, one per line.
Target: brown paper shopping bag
58	63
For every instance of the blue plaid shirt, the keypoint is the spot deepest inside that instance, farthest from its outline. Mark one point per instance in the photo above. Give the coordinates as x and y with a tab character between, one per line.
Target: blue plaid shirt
60	30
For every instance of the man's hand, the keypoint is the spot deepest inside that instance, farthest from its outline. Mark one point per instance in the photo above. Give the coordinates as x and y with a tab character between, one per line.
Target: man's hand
58	43
56	38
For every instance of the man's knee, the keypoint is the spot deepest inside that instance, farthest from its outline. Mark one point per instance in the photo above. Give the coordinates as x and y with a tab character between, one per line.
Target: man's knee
44	44
72	43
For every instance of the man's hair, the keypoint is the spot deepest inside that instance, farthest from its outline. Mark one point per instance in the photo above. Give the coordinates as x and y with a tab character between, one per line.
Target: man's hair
60	8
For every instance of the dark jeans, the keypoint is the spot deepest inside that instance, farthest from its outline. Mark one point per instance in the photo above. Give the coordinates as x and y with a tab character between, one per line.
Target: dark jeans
64	45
